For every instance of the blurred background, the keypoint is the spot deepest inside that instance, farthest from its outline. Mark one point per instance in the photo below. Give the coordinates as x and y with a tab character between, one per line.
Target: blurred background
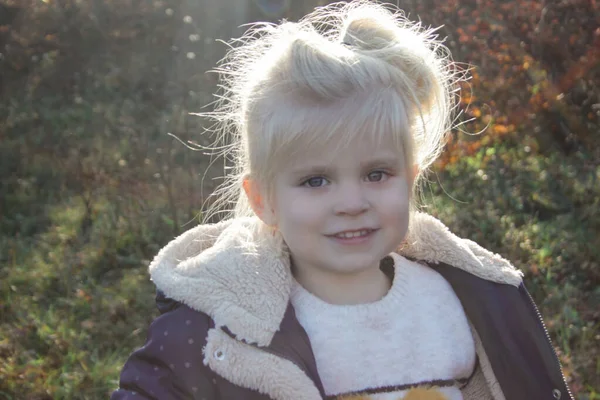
92	184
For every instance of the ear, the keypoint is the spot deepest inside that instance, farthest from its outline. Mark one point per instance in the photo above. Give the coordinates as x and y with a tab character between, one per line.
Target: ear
413	175
258	202
415	172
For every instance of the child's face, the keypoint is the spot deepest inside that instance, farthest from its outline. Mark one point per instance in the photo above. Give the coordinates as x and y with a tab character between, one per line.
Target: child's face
324	192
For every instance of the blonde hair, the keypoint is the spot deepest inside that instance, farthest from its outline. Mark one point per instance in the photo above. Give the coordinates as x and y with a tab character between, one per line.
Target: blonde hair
288	86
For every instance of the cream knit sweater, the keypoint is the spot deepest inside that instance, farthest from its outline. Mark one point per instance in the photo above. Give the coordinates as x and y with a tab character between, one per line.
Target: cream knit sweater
417	334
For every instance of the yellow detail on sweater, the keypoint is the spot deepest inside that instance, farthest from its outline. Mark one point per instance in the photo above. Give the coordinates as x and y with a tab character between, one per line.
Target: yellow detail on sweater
413	394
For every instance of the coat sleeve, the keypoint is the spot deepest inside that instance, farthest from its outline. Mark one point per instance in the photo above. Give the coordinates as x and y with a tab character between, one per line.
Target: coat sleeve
170	364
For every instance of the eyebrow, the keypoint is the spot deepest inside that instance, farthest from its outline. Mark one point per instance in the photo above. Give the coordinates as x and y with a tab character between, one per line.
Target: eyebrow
325	169
382	162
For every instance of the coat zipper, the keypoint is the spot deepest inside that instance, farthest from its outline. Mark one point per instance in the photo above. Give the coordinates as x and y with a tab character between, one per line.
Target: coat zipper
549	341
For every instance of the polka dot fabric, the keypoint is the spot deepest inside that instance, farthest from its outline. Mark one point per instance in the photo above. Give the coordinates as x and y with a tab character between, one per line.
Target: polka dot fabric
170	365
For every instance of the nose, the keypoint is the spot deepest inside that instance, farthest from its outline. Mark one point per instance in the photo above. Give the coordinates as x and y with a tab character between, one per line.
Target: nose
351	200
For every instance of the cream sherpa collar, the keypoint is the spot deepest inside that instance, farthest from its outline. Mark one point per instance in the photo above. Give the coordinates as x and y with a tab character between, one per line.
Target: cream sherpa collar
216	269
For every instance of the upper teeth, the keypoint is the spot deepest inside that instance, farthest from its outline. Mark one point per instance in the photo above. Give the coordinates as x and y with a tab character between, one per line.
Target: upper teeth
347	235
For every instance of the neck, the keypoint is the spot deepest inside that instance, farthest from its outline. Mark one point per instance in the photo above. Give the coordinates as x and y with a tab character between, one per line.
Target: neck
367	286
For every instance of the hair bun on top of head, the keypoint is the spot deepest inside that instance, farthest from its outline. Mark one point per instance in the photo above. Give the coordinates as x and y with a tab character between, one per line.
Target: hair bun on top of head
367	33
394	39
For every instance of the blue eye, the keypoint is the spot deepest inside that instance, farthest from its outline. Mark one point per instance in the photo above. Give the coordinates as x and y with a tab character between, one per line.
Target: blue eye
315	181
376	176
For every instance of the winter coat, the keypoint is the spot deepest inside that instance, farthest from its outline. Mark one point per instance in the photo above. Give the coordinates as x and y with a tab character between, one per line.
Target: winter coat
228	330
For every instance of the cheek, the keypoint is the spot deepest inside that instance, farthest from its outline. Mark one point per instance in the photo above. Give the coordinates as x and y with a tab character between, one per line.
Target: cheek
299	222
297	209
396	198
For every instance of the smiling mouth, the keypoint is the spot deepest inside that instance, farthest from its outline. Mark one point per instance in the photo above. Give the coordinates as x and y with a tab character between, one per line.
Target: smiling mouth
353	234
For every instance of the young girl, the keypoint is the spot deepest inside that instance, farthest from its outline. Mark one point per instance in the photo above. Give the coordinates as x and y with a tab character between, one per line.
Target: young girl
326	283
